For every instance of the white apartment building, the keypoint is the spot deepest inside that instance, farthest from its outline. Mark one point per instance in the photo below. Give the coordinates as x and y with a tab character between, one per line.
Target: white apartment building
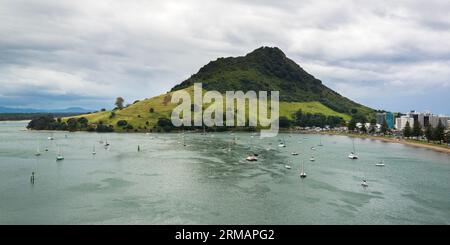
400	122
427	118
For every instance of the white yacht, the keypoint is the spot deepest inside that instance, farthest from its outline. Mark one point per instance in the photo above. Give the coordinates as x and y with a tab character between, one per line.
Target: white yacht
60	155
38	152
302	173
352	154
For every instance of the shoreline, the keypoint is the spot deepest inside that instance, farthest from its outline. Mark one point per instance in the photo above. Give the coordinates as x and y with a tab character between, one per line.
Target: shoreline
438	148
442	149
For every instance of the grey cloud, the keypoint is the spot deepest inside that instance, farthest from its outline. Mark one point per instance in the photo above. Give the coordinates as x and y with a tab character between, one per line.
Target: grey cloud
138	49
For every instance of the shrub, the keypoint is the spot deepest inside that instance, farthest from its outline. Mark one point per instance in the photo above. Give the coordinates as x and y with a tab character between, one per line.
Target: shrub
122	123
105	128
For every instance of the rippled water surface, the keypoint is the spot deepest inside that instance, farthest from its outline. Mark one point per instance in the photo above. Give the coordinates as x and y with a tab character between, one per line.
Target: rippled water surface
208	181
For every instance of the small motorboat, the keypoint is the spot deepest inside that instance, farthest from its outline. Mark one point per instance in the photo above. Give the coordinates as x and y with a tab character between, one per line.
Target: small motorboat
251	158
282	145
287	166
380	164
312	159
313	148
294	153
364	183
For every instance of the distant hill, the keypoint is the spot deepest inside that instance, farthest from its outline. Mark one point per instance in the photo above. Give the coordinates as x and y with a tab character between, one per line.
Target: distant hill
33	110
263	69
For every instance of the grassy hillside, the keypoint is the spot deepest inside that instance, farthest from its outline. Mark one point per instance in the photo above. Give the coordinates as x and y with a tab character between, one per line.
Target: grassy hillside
139	116
314	107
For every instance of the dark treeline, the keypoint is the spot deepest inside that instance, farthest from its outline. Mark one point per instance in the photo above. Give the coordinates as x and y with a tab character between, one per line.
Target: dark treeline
431	133
302	119
48	122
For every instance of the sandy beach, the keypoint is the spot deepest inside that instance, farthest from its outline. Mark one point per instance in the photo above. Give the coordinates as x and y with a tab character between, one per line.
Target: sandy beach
442	148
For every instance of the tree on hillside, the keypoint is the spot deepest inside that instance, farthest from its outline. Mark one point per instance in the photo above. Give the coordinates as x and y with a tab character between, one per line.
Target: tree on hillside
284	122
429	132
407	130
439	132
352	125
363	128
384	126
119	102
417	130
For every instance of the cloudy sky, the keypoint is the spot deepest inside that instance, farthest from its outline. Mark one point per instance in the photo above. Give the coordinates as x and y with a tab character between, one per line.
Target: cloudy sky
55	54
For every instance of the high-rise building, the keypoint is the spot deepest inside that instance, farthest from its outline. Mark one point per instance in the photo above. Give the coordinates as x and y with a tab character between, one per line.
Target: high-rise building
390	119
388	116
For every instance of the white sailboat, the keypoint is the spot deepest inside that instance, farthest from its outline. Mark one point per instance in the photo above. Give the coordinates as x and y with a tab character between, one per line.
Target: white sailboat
302	173
352	154
93	151
38	152
320	144
60	155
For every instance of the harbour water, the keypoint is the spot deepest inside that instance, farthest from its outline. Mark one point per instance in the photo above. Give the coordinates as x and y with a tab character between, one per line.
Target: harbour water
208	181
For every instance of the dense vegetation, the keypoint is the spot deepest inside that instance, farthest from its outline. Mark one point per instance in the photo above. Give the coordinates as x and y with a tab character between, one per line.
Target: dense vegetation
48	122
268	69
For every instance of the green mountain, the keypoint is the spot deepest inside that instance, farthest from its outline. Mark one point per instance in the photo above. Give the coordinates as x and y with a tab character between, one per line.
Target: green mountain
263	69
269	69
